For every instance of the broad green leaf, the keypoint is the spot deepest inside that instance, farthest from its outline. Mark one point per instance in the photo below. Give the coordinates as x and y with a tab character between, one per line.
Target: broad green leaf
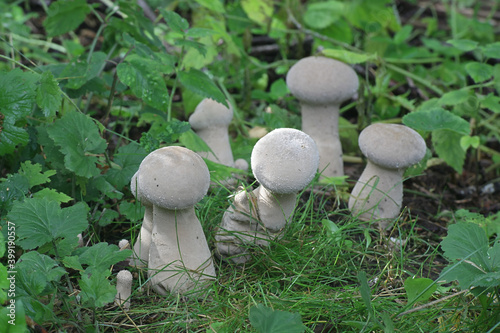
454	97
192	44
80	71
402	35
464	45
64	16
491	102
34	174
436	119
101	256
348	56
491	50
16	102
490	279
215	5
331	228
48	95
419	289
145	78
72	262
16	324
479	72
35	271
126	163
79	140
446	143
52	195
322	14
198	82
259	11
40	221
134	212
97	290
469	141
267	320
174	21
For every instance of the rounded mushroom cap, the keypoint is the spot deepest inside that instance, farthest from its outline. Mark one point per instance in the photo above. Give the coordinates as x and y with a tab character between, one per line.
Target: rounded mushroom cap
321	80
285	160
173	178
210	113
392	146
135	191
124	277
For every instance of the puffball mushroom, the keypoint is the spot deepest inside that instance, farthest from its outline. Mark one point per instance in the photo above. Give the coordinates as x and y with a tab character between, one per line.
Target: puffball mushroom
284	162
140	255
389	149
174	179
321	85
123	288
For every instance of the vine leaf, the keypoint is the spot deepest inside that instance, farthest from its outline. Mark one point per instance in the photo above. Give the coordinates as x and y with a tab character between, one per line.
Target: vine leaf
199	83
64	16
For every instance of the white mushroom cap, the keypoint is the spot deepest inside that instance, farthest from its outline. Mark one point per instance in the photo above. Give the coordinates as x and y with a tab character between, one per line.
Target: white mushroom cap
136	193
285	160
210	113
392	146
321	80
123	288
173	178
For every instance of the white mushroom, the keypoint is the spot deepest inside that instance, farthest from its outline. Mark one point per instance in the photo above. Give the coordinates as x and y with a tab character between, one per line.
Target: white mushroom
140	253
321	85
124	244
389	149
123	288
284	162
174	179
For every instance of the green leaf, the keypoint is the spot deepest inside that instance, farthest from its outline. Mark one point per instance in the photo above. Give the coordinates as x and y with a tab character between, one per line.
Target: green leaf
479	72
491	50
126	163
469	141
101	256
192	44
52	195
34	174
16	102
267	320
174	21
365	291
40	221
132	211
259	11
64	16
198	82
464	45
332	229
200	32
144	77
446	143
496	77
454	97
79	140
419	289
348	56
72	262
13	325
97	290
215	5
436	119
4	282
36	271
322	14
402	35
80	71
491	102
48	95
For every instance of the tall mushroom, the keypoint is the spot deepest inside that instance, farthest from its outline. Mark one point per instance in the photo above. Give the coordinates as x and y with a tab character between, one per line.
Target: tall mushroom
174	179
284	162
321	85
140	253
123	289
389	149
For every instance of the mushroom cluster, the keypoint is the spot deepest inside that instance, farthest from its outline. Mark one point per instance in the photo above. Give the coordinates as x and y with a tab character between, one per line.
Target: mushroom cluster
283	162
389	149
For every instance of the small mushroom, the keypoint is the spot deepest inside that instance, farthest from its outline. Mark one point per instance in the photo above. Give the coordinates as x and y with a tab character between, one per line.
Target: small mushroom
389	149
321	85
210	121
123	288
174	179
284	162
140	253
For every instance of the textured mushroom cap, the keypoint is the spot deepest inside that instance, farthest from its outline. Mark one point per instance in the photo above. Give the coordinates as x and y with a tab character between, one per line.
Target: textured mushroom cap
210	113
137	194
173	178
321	80
124	278
392	146
285	160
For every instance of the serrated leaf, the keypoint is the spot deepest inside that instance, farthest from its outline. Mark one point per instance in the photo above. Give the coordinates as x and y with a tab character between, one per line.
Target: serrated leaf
174	21
126	163
48	95
454	97
79	140
101	256
466	241
52	195
80	72
64	16
36	271
436	119
16	102
132	211
97	290
105	187
446	143
72	262
267	320
200	83
144	77
34	174
491	50
40	221
479	72
348	56
259	11
464	45
419	289
322	14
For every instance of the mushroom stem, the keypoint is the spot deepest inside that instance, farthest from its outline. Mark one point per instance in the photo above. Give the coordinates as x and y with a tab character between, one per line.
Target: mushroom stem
378	194
140	254
275	209
179	257
326	135
123	289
